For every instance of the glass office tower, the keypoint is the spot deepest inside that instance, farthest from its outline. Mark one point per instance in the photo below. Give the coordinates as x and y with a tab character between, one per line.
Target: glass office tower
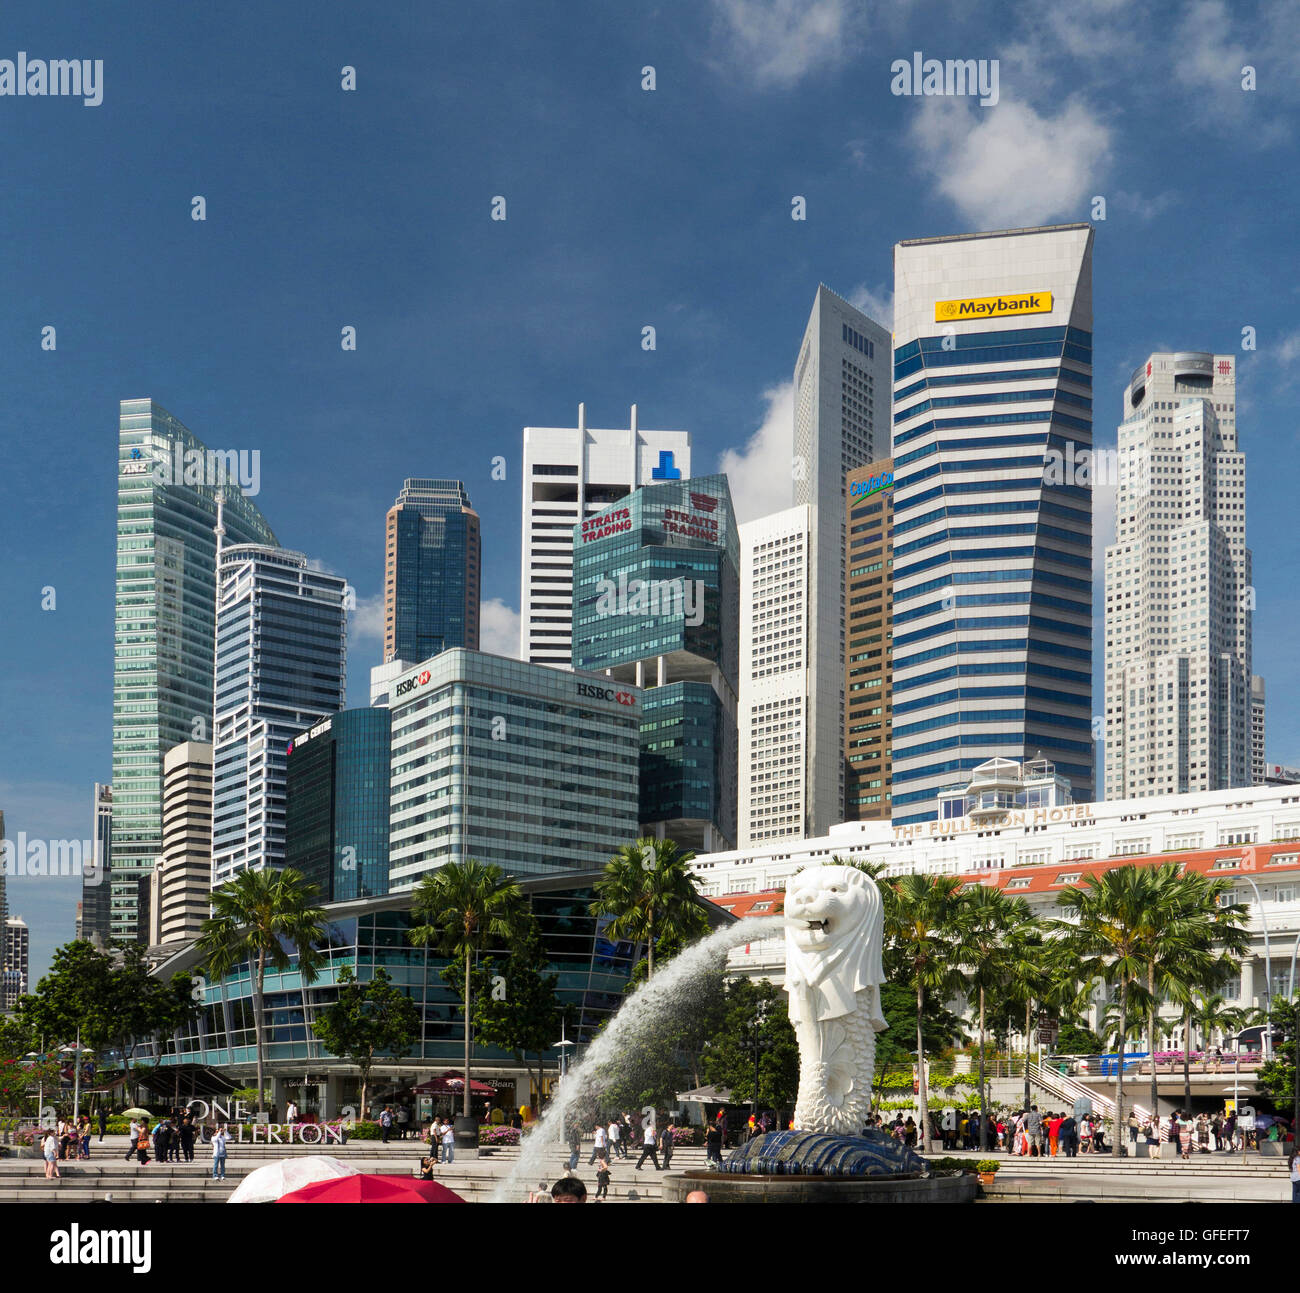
281	666
992	537
336	810
432	571
163	632
656	603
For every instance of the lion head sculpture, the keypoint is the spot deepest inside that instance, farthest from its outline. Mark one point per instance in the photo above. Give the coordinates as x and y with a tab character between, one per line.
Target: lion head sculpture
833	943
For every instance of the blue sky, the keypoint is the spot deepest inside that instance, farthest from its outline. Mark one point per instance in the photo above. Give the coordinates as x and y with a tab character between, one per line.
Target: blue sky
625	207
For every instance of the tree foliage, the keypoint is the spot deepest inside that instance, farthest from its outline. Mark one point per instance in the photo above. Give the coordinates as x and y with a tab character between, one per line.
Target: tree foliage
755	1018
369	1018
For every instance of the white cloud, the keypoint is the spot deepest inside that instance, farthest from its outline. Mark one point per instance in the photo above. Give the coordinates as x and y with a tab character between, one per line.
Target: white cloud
1010	166
366	623
878	305
499	627
781	41
760	473
1288	349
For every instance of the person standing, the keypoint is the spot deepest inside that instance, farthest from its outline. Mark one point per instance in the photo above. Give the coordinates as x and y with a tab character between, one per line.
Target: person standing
648	1146
385	1123
1184	1135
1293	1163
220	1139
600	1145
1054	1122
948	1125
613	1132
449	1143
187	1137
1134	1126
1034	1126
1068	1134
713	1146
142	1144
103	1121
666	1143
50	1153
575	1147
291	1113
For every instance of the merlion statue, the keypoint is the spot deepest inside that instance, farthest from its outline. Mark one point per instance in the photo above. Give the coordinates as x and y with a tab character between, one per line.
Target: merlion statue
833	974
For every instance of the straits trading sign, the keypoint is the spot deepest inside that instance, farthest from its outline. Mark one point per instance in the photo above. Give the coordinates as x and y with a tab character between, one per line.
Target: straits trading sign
1017	817
992	307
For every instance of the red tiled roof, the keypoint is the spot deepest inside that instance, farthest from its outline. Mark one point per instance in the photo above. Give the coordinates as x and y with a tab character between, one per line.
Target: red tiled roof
743	904
1250	859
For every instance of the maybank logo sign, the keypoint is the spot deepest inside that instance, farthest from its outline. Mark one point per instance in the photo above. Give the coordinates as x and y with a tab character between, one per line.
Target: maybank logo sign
992	307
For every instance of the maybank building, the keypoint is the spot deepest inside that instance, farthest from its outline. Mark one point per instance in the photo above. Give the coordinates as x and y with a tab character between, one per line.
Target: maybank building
992	647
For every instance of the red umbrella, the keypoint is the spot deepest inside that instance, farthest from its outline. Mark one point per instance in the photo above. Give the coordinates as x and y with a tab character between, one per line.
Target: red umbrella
370	1187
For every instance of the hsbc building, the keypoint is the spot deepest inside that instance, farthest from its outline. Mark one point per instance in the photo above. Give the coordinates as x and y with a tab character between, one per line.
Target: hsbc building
529	767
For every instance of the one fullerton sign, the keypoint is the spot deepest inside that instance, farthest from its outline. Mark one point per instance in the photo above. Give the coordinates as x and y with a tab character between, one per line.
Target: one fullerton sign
993	307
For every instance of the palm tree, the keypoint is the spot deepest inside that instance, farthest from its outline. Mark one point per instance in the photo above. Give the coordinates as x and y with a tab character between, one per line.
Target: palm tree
651	895
1212	1011
1028	974
458	907
987	921
1106	935
921	923
256	917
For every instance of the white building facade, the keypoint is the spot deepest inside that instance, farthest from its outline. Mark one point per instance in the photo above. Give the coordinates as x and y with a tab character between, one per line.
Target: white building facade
775	554
992	549
571	473
1179	712
841	422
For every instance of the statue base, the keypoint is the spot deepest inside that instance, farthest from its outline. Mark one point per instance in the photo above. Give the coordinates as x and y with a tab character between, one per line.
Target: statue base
723	1187
815	1153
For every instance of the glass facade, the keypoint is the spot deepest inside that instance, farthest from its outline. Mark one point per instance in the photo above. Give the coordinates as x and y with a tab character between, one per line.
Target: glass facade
364	936
656	603
984	409
336	806
432	571
163	629
529	767
281	666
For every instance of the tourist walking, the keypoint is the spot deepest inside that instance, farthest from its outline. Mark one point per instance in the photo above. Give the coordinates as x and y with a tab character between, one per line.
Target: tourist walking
142	1143
132	1135
103	1121
50	1153
648	1147
713	1146
602	1180
614	1131
220	1139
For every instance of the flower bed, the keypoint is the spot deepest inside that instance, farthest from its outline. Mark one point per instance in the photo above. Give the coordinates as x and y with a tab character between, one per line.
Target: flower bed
498	1136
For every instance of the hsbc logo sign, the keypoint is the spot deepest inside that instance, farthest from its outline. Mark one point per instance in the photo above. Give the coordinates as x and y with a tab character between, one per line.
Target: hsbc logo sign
408	685
593	692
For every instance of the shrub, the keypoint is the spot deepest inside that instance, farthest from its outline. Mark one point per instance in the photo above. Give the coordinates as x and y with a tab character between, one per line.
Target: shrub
498	1136
950	1165
364	1131
987	1165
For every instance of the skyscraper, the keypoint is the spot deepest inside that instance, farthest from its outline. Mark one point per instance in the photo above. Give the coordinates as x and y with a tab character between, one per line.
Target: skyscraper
164	620
14	969
336	811
432	571
1178	595
1258	760
571	473
656	604
868	731
992	533
96	905
841	420
185	869
772	799
281	666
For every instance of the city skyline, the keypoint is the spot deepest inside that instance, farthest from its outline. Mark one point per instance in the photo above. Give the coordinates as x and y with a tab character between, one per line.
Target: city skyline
235	328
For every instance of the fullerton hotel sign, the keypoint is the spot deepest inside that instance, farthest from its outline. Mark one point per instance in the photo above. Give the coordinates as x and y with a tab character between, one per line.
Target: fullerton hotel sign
1017	817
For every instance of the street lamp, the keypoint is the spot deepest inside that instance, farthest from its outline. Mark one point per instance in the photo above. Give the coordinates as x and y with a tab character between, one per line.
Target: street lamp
1268	966
760	1019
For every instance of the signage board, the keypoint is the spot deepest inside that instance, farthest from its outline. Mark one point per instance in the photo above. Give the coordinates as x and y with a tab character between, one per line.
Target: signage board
992	307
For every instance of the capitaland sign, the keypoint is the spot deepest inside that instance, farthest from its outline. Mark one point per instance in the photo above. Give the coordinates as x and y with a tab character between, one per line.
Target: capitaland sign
864	488
413	683
992	307
1018	817
592	692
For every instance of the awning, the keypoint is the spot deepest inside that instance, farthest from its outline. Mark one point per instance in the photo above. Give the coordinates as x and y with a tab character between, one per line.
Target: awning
452	1084
189	1079
706	1095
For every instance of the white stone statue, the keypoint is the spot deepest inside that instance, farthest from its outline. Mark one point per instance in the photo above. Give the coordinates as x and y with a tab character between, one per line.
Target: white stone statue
833	974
